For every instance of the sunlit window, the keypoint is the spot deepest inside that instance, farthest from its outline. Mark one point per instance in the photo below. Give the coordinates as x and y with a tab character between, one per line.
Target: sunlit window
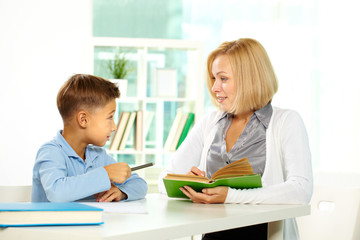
313	45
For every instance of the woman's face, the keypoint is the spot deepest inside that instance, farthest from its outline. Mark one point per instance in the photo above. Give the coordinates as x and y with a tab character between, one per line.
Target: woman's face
224	82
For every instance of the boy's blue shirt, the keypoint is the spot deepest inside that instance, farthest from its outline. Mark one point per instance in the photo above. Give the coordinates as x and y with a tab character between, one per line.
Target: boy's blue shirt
60	175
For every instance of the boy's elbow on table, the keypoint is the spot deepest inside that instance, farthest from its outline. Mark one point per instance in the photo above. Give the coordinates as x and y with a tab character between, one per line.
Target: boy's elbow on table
135	187
52	196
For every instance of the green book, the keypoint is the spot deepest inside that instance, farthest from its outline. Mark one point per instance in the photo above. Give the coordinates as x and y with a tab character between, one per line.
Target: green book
240	182
189	122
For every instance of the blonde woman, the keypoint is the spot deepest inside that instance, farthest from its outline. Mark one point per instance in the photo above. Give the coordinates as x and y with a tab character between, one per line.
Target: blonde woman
242	83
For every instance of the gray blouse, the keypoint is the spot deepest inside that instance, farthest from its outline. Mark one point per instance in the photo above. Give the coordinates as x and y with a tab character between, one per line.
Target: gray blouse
250	144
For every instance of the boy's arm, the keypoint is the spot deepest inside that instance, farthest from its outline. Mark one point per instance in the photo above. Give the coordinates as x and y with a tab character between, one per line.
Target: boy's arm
61	179
60	185
134	187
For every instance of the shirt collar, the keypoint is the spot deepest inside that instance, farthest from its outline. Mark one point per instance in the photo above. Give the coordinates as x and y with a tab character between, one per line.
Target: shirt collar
263	115
223	115
90	155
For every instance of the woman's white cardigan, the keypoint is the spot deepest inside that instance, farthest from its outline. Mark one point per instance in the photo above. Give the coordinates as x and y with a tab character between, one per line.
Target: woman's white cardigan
287	177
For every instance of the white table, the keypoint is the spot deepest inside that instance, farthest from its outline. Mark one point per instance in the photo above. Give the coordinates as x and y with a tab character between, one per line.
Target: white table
166	219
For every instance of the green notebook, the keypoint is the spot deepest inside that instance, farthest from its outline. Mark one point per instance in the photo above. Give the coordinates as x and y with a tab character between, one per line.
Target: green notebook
240	182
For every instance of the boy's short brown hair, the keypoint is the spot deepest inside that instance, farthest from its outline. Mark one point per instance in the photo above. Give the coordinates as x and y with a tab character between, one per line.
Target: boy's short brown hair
83	91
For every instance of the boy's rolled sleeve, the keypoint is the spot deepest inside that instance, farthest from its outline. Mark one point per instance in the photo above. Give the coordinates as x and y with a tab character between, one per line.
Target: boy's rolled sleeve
135	187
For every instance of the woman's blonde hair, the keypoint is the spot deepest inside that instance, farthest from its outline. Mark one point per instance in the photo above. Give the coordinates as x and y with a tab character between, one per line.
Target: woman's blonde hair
254	76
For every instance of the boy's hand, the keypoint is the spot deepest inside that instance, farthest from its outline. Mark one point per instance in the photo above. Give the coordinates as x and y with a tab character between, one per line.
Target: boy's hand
118	172
113	194
196	171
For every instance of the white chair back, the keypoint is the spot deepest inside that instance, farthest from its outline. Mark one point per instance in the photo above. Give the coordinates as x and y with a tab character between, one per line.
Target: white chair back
15	193
335	209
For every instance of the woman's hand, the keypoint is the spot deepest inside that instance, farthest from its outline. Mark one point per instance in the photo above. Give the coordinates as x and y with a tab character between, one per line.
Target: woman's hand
196	171
113	194
208	195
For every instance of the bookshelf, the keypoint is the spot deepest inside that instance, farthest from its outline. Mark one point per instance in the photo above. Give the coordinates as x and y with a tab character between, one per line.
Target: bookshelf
168	77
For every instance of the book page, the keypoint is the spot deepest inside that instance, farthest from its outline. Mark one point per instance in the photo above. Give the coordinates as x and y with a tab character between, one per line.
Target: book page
185	177
238	168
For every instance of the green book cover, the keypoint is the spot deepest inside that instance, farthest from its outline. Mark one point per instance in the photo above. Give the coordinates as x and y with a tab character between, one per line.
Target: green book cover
242	182
189	122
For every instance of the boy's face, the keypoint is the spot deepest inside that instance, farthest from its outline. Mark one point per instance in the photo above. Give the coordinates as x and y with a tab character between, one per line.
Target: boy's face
101	124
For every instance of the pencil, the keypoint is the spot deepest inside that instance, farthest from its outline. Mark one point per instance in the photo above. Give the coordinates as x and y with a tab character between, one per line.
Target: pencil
142	166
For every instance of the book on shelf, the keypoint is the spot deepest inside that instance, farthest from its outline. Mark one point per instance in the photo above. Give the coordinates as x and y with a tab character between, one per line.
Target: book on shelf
129	125
46	214
188	124
178	132
238	175
139	130
123	118
148	115
172	131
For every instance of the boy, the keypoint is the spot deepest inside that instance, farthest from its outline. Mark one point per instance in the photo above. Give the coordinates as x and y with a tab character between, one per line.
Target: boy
73	166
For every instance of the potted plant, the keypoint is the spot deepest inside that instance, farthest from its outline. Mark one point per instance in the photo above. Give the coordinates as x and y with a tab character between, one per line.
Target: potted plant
119	68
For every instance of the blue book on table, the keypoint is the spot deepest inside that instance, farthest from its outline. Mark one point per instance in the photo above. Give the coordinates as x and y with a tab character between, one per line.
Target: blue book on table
47	214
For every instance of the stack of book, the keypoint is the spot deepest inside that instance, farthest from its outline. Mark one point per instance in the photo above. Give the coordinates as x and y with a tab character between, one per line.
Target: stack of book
125	126
47	214
179	130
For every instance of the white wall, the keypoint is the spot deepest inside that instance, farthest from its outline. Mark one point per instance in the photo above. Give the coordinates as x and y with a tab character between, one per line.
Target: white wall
42	43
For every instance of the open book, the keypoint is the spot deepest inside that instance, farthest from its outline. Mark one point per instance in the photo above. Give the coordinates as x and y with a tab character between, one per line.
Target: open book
238	174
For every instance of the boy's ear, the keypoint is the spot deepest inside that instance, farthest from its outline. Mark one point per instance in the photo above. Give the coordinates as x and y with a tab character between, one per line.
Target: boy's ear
82	118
